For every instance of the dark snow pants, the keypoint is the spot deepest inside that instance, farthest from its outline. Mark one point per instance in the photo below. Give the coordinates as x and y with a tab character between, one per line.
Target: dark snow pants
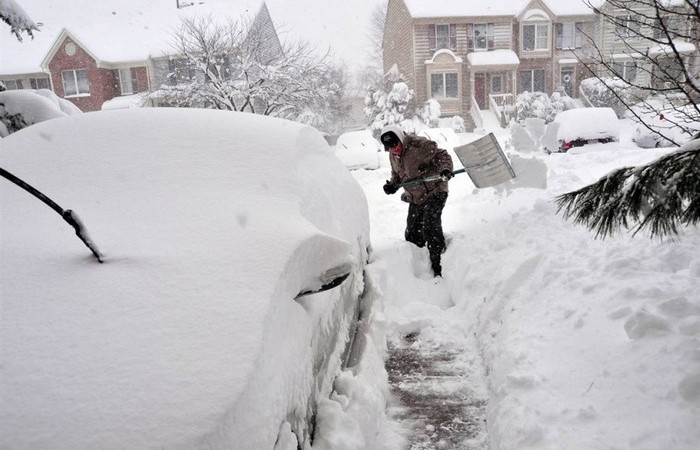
424	226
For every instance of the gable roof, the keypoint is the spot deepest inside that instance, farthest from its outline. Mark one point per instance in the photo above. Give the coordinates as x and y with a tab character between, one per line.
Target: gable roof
110	30
477	8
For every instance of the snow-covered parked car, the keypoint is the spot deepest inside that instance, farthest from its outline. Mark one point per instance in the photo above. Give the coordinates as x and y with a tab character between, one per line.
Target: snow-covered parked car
663	127
444	137
195	332
581	126
358	150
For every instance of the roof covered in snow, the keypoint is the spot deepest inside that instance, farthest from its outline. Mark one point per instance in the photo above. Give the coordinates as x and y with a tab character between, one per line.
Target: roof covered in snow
111	30
493	58
475	8
131	30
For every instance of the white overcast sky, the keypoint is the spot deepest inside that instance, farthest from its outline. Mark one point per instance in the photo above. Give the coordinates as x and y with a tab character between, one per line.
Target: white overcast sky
344	25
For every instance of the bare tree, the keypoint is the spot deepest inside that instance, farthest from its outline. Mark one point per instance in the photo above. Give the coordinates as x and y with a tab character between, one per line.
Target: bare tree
650	46
371	75
659	37
238	66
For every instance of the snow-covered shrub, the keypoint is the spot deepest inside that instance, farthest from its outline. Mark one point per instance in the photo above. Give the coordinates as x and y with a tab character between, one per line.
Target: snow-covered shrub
611	92
430	113
561	101
25	107
390	102
457	124
414	125
537	105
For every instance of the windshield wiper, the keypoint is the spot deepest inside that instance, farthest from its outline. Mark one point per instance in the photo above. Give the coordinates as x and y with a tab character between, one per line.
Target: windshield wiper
67	214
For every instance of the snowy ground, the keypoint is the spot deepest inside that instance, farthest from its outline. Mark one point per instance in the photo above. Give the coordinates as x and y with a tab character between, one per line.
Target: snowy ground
569	342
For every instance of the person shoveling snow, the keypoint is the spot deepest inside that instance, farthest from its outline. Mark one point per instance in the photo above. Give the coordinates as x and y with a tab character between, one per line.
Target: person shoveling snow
423	170
415	158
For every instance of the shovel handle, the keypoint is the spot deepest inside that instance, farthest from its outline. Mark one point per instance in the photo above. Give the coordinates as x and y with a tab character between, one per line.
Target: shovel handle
429	179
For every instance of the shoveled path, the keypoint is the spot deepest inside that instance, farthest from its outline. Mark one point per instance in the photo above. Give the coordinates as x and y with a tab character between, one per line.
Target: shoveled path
436	381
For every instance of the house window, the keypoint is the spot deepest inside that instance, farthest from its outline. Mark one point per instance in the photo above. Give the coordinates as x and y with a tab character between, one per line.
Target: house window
39	83
442	36
496	83
535	37
480	36
444	85
626	26
75	82
532	80
568	36
625	70
12	85
181	71
127	81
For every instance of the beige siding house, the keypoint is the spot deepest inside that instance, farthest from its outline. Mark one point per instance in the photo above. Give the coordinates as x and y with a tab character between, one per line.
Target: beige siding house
634	43
475	56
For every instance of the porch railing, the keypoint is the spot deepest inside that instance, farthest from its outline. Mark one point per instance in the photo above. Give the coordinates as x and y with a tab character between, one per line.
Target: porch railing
504	107
584	97
476	114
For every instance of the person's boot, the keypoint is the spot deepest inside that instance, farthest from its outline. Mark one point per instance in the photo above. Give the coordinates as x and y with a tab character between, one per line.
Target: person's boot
435	264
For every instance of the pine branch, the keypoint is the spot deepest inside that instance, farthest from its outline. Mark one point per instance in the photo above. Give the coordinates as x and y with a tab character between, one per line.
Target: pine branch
660	197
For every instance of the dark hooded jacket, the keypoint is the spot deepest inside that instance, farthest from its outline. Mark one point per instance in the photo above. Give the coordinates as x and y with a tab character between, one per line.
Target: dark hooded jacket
421	158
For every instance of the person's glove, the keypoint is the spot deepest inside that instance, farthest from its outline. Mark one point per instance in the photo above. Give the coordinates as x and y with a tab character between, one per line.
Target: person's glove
390	188
446	174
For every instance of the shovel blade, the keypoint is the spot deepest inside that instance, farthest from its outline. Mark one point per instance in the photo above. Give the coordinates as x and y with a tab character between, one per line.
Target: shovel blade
485	162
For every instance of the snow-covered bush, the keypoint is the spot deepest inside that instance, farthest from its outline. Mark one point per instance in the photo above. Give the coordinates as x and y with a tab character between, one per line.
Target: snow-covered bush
457	124
611	92
430	113
25	107
390	102
538	105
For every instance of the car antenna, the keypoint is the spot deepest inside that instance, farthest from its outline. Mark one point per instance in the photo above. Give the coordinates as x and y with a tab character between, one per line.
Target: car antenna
68	214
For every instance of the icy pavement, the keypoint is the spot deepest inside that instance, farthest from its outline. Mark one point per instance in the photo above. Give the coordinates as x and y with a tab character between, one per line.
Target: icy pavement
431	396
438	397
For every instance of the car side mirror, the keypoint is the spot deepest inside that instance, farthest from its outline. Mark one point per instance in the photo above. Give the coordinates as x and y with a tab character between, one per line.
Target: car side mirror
330	279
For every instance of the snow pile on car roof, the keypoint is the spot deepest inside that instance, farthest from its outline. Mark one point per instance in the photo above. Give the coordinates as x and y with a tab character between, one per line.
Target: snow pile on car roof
588	124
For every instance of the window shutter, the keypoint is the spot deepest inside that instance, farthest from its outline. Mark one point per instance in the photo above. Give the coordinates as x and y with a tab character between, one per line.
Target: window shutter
431	38
559	35
453	36
490	44
133	81
470	36
578	35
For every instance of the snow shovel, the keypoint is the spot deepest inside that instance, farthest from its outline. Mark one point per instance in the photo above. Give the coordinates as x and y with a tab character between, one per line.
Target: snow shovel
68	215
484	161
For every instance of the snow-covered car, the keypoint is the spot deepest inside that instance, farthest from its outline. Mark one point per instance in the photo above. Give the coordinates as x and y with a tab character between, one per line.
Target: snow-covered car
233	245
661	128
444	137
581	126
358	150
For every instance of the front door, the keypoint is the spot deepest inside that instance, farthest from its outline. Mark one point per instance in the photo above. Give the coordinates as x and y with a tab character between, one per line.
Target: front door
480	90
567	80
